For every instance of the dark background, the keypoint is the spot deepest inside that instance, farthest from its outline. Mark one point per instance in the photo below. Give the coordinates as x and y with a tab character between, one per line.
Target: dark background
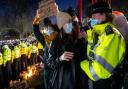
19	14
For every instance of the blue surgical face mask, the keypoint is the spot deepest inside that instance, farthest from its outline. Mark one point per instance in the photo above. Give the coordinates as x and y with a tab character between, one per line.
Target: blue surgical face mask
48	31
68	28
94	22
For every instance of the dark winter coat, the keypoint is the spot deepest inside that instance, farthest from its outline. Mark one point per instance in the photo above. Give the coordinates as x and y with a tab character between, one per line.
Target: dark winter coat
66	75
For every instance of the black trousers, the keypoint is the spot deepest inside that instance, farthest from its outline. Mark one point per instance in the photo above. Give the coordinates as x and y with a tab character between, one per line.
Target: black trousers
16	68
33	59
125	86
102	84
125	69
40	56
41	52
115	82
1	77
24	62
7	72
18	64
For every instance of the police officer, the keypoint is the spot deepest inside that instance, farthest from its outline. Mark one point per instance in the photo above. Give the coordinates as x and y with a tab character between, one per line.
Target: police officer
34	53
45	37
7	64
105	49
16	61
23	52
1	72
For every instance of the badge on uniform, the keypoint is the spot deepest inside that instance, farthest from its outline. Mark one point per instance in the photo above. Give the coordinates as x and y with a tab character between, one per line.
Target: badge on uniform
91	54
109	30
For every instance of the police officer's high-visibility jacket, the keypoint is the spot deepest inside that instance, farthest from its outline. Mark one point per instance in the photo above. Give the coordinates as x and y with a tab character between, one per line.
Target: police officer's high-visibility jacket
32	49
39	46
40	49
105	50
15	53
23	49
29	51
1	59
6	54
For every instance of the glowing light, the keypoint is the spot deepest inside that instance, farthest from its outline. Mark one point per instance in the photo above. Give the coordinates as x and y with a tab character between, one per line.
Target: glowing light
30	74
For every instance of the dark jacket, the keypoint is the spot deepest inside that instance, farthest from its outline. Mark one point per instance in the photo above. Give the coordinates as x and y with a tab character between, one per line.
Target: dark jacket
66	75
41	39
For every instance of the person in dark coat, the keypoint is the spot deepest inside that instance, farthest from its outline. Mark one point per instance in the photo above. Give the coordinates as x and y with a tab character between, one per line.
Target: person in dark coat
65	54
45	37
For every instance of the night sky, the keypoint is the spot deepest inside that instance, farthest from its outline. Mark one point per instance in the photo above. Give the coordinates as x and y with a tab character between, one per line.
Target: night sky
11	5
63	4
19	14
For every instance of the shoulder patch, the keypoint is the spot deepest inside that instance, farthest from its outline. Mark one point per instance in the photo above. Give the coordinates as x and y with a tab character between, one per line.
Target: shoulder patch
109	30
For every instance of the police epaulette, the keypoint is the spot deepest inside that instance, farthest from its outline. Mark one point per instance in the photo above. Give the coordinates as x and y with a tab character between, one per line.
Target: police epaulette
109	30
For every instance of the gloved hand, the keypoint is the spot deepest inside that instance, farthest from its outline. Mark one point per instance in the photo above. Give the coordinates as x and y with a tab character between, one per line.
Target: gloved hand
67	56
37	18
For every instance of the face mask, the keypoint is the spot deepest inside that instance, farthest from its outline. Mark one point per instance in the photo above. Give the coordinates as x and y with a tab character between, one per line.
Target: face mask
48	31
93	22
68	28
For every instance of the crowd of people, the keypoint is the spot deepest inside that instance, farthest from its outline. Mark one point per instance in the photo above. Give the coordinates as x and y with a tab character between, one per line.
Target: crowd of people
15	57
92	55
89	56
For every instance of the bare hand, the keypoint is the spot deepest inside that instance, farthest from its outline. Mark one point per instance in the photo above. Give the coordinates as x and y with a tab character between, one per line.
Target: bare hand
55	9
82	35
67	56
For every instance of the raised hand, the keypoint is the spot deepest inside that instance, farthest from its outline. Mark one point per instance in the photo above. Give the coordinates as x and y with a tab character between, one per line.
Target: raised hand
37	18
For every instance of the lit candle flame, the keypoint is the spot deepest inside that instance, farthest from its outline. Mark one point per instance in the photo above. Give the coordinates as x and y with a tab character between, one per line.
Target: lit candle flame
30	74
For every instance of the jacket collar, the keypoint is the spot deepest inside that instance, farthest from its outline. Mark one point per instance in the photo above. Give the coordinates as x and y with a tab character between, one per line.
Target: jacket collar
100	28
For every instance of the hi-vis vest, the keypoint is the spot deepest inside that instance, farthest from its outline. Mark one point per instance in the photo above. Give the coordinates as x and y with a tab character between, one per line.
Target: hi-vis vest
6	54
105	50
23	49
32	49
29	51
1	59
39	46
15	53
